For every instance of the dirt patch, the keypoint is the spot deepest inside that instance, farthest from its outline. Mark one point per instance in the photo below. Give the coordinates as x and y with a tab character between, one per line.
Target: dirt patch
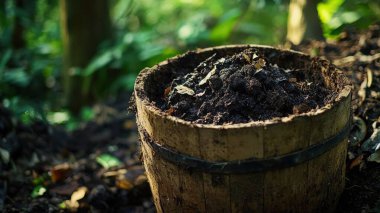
244	87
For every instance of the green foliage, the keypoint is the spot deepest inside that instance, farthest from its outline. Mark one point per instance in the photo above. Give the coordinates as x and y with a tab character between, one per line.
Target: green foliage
38	191
336	15
108	161
145	32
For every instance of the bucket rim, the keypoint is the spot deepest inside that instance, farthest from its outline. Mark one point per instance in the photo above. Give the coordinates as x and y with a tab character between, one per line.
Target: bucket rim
343	94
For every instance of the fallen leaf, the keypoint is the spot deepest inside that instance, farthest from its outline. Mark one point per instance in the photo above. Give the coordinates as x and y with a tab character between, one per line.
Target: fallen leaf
128	180
124	184
78	194
167	91
115	173
108	161
200	94
369	77
170	111
247	58
38	191
362	91
181	89
221	60
375	157
373	142
62	205
358	131
356	162
254	56
208	76
60	172
260	63
73	203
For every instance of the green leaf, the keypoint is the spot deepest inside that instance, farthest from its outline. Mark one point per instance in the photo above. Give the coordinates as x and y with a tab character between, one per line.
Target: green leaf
125	82
38	180
58	117
4	60
87	113
108	161
98	63
62	205
344	18
16	77
38	191
223	29
327	9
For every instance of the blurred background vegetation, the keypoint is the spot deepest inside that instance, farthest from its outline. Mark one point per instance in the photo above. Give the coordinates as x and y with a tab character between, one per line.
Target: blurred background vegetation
58	57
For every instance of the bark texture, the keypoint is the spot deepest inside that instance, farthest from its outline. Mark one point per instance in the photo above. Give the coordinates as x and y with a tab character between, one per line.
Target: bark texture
84	25
303	21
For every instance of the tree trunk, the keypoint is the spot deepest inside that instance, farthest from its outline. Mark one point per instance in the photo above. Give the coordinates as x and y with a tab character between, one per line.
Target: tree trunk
303	21
84	25
24	11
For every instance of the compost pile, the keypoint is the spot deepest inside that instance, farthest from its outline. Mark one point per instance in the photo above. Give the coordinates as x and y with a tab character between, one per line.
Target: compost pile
244	87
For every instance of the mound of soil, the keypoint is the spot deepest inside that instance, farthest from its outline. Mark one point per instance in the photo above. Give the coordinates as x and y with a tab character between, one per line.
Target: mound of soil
241	88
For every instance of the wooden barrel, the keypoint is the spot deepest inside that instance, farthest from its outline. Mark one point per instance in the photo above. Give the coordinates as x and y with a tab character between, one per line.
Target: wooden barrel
289	164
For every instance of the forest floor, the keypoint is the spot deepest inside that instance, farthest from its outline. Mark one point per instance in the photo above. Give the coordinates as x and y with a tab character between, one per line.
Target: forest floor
44	168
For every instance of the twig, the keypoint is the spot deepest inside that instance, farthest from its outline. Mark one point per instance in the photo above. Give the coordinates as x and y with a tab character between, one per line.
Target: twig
359	58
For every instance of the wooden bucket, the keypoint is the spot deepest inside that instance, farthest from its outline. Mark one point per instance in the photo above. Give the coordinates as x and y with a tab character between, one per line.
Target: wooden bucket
290	164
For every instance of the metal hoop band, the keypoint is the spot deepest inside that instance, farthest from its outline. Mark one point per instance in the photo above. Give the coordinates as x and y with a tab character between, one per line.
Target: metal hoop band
248	165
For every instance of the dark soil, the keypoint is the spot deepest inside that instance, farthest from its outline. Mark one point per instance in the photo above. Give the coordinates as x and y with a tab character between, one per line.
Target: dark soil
62	162
244	87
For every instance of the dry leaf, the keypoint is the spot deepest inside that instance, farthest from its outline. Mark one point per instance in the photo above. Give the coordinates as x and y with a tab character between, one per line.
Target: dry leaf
221	60
79	194
362	91
260	63
369	77
247	58
130	179
170	111
167	91
208	76
124	184
254	56
60	172
184	90
356	162
115	173
200	94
